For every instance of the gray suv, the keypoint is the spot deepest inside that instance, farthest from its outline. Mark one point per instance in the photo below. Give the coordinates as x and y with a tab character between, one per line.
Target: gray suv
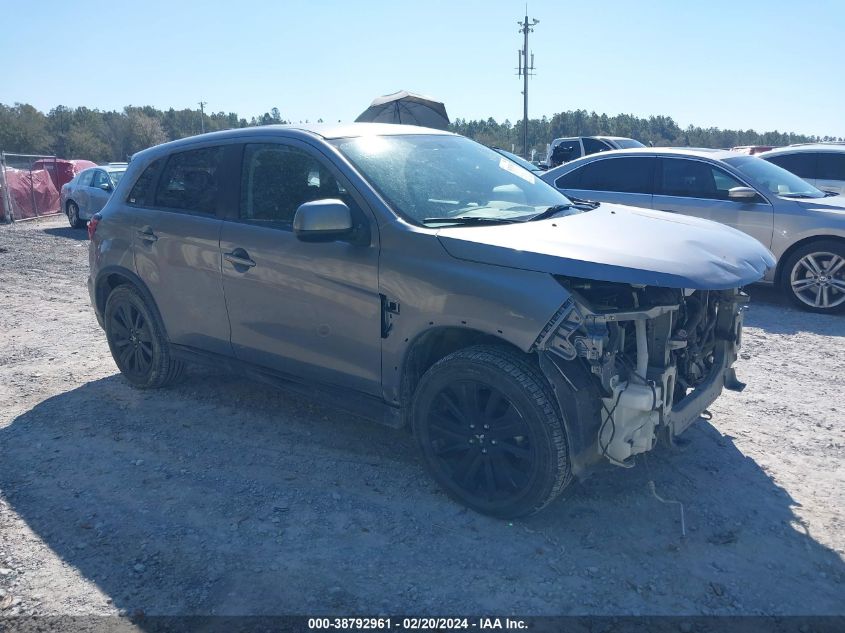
420	277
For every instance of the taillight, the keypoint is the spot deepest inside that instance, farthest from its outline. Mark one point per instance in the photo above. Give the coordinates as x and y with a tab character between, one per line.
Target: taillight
92	225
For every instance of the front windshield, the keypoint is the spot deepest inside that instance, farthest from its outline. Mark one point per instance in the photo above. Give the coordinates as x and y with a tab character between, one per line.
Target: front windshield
774	179
439	180
116	176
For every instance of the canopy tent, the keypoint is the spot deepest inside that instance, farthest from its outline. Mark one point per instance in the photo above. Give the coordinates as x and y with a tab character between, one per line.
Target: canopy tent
407	108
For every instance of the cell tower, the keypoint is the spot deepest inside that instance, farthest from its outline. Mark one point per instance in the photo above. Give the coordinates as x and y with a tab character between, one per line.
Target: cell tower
525	69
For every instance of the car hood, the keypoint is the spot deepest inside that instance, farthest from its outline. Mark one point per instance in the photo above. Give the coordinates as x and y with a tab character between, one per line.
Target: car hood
622	244
831	204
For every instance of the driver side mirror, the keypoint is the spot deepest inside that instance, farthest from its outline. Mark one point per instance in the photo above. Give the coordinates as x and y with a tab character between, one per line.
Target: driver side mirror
105	186
742	193
322	221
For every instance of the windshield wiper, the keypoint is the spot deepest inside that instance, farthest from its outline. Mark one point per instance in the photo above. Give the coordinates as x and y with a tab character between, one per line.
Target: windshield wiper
551	211
469	219
581	203
796	194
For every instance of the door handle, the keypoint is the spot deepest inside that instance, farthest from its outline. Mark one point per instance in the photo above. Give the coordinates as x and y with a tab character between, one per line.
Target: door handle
239	257
146	235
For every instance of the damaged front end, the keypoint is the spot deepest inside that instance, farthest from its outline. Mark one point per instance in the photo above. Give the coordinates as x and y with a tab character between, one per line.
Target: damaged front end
656	359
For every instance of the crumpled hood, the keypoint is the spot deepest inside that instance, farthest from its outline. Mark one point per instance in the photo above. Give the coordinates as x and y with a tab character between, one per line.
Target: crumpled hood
622	244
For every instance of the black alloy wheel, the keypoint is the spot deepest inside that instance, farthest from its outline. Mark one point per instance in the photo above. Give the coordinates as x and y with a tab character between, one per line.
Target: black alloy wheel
490	433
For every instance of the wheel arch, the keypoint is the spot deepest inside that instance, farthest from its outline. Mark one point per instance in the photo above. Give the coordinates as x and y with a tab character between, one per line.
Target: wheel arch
113	276
779	270
435	343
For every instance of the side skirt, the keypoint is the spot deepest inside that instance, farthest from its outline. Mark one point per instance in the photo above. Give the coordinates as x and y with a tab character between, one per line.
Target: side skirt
347	400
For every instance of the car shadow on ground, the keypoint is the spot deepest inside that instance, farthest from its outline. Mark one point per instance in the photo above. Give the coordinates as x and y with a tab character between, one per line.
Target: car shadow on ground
68	232
771	311
219	496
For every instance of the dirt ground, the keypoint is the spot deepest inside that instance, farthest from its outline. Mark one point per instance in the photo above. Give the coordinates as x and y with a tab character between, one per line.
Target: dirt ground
222	496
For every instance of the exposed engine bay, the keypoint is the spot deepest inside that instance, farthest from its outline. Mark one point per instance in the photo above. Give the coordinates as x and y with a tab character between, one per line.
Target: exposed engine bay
658	356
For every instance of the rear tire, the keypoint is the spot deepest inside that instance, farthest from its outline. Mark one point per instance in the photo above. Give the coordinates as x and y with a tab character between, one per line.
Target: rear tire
490	433
813	277
73	216
137	341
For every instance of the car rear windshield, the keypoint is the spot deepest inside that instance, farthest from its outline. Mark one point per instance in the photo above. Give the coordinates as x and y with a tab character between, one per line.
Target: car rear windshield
773	179
425	177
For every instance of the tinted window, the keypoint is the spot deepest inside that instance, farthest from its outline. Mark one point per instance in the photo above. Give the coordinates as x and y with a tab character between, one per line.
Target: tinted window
695	179
594	146
191	180
100	179
572	180
831	166
277	179
624	175
116	176
142	192
802	165
85	178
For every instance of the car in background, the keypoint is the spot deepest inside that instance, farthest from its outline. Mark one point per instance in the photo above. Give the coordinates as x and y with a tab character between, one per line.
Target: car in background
534	169
89	191
752	150
803	226
563	150
420	277
820	164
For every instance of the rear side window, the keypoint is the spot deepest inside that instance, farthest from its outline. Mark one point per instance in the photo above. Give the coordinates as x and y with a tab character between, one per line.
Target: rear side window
191	181
802	165
623	175
276	179
142	192
831	166
572	180
594	146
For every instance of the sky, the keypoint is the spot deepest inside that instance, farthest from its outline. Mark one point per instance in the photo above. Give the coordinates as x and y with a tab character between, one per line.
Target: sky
738	64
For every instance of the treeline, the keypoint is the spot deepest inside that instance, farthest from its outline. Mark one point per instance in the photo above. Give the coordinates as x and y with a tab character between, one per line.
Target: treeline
104	136
654	130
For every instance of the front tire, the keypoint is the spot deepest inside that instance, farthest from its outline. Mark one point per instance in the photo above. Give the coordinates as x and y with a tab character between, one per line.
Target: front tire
490	433
137	342
73	216
814	277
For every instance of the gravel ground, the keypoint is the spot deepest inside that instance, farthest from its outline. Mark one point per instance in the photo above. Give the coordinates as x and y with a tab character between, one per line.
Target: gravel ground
222	496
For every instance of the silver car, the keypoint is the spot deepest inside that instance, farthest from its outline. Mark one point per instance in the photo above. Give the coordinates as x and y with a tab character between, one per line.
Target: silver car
820	164
89	191
803	226
418	277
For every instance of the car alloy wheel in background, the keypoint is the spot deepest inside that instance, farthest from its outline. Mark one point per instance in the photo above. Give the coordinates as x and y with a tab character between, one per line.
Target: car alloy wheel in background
815	277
